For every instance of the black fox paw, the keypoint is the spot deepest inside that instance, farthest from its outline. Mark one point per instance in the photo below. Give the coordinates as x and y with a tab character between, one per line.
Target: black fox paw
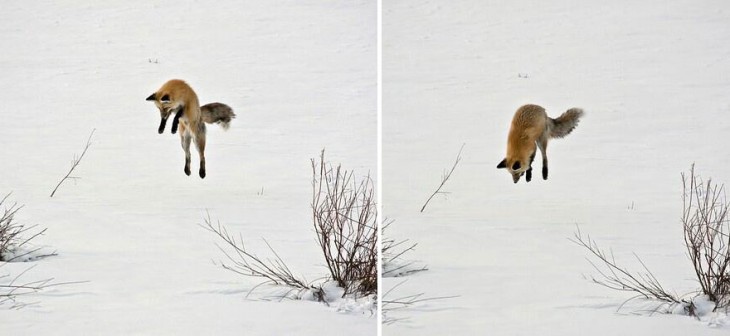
187	171
162	126
544	173
201	173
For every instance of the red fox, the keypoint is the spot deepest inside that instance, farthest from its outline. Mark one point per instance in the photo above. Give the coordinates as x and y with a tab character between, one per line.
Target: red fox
178	98
531	129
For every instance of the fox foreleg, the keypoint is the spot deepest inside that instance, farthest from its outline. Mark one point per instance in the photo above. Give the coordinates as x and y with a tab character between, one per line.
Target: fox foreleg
176	120
528	173
161	129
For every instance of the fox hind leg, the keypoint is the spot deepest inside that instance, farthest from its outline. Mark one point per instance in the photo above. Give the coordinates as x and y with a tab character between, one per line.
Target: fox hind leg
200	144
185	138
542	144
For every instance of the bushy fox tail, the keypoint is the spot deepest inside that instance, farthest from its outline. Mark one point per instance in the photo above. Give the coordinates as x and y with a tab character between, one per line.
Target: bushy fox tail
565	123
217	113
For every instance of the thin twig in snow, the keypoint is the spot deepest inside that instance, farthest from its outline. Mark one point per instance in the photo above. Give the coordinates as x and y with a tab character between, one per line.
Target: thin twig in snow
616	277
75	163
444	178
390	305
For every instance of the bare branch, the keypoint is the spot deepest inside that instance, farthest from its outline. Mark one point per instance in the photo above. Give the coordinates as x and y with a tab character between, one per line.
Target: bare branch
444	178
246	263
74	163
616	277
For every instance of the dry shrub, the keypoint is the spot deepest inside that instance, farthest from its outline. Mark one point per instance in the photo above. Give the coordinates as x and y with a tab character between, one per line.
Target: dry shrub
344	216
345	222
246	263
614	276
12	242
14	238
392	256
706	227
707	236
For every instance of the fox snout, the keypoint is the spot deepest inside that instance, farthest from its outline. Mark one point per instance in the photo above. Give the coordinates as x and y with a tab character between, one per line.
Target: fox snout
516	176
516	170
164	114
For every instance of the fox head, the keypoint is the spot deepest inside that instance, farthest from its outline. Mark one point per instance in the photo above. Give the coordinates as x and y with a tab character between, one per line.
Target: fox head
516	167
166	106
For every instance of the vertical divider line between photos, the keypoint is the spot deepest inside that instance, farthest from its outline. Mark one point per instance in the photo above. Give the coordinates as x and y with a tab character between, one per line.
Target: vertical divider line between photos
379	206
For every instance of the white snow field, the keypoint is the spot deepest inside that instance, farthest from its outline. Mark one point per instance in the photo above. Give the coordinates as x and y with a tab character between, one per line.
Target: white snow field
301	76
654	80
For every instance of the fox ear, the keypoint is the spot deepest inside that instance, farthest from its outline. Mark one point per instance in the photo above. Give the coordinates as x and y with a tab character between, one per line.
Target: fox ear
516	165
502	164
165	98
152	97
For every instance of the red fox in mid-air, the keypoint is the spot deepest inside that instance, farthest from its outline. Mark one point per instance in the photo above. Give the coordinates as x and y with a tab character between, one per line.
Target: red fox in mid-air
178	98
531	129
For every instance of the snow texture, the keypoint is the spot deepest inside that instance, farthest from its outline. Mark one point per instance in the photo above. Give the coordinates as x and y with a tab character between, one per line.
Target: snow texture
300	75
654	80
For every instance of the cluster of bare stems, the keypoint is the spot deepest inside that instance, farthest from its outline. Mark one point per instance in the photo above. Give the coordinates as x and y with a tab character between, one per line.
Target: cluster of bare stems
391	304
394	266
11	289
392	253
707	236
614	276
13	248
246	263
344	219
344	216
707	239
12	242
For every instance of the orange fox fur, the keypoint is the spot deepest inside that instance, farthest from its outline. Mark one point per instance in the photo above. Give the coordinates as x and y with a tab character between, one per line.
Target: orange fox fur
176	96
531	129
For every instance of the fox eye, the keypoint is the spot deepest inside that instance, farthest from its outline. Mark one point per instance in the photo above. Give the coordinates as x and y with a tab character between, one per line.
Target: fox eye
516	165
165	98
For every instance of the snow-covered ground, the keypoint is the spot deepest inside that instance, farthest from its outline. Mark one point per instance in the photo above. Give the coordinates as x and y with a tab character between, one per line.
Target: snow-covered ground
301	76
654	79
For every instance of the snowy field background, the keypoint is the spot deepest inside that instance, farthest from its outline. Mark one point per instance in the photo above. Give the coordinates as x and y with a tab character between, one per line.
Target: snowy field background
654	79
301	76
